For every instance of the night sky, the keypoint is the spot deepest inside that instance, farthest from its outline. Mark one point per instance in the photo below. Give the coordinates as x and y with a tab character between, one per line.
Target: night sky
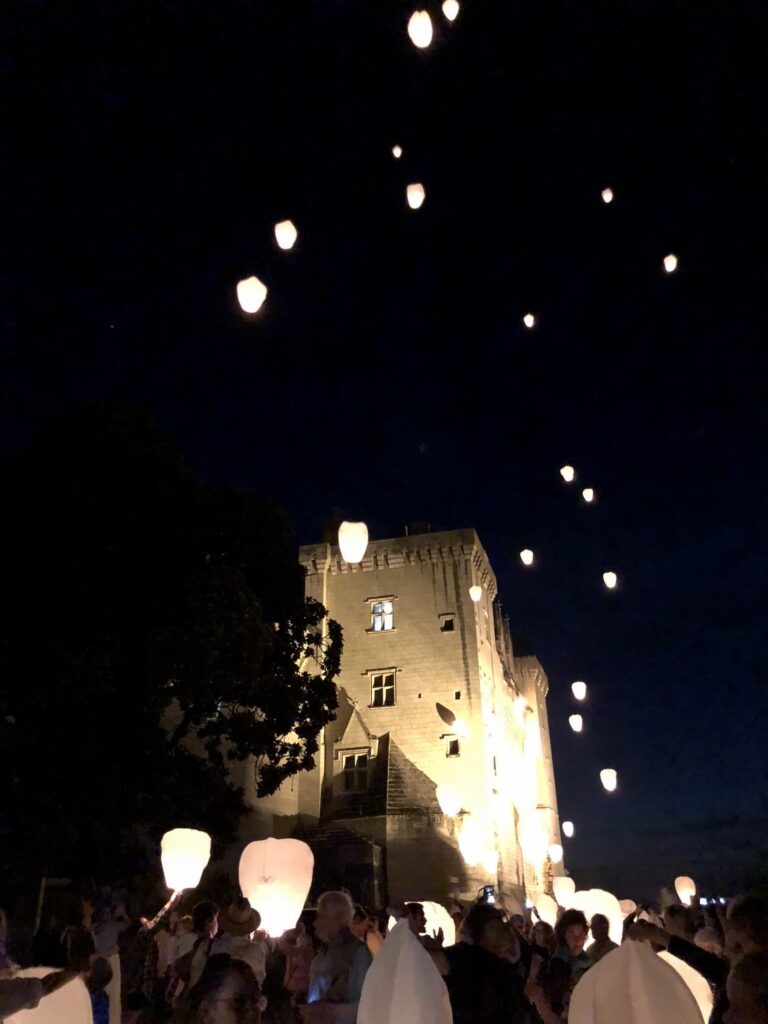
149	148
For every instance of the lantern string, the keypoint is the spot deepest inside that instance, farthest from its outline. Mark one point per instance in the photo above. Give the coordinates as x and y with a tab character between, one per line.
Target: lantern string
149	925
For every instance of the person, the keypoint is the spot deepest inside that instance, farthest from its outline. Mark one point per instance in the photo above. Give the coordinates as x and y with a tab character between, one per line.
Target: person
709	939
571	934
227	992
47	947
97	980
747	989
602	941
298	944
337	972
544	941
365	927
678	921
417	919
205	925
237	937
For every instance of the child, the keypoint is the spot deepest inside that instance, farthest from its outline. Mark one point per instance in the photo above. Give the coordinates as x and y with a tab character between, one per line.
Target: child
98	978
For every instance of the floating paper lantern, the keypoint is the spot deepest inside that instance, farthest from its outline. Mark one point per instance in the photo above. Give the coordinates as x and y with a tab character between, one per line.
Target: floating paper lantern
685	888
397	152
286	234
420	29
451	9
670	263
449	799
415	195
568	473
698	985
533	839
609	779
251	293
588	494
353	541
627	907
436	918
610	579
607	195
184	853
529	320
576	722
598	901
526	556
475	593
579	690
70	1003
546	908
275	878
490	860
568	829
563	888
555	853
472	842
460	727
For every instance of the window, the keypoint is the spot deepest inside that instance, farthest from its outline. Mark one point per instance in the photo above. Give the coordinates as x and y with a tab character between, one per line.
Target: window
453	747
355	773
383	690
382	615
457	694
446	624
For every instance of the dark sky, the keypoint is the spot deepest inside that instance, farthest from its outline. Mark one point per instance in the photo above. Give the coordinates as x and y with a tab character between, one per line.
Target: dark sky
149	149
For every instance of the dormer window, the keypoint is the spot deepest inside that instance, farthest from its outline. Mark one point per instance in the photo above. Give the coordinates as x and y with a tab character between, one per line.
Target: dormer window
355	772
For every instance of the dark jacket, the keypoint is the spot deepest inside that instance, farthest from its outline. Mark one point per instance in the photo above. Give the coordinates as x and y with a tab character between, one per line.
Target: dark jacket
483	988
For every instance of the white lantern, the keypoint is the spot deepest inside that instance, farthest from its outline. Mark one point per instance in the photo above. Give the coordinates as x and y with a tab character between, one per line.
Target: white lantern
529	320
546	908
627	907
610	579
670	263
184	853
286	234
415	195
579	690
555	853
397	152
449	799
436	919
607	195
460	727
526	556
420	29
568	473
70	1004
698	985
588	494
576	722
353	541
451	9
598	901
251	293
685	888
275	878
568	829
609	779
472	842
476	593
563	887
490	860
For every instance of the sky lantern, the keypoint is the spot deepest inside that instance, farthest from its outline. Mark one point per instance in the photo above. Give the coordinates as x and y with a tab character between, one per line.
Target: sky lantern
449	799
472	842
529	320
251	293
420	29
568	473
476	593
546	908
526	556
568	829
460	727
70	1003
576	722
627	907
579	690
555	853
609	779
353	541
670	263
275	878
588	494
607	195
697	983
685	888
184	853
415	195
451	9
563	888
397	152
490	860
286	234
610	579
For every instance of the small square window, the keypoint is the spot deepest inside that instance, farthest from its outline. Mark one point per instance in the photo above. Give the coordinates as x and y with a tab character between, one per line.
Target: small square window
382	615
453	747
383	690
355	773
457	694
447	623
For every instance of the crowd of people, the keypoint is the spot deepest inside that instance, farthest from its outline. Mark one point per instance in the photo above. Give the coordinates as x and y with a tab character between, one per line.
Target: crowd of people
214	964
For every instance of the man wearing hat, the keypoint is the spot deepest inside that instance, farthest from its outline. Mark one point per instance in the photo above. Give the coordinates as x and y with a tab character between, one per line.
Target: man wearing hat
236	936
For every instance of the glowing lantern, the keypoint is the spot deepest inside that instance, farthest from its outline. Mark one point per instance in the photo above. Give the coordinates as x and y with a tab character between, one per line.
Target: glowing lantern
70	1003
286	234
526	556
568	473
490	860
436	918
627	907
460	727
449	800
670	263
555	853
546	908
588	494
420	29
476	593
529	320
698	985
568	829
610	579
685	888
576	722
597	901
472	842
579	690
184	852
275	877
609	779
353	541
397	152
533	839
415	195
607	195
451	9
563	888
251	294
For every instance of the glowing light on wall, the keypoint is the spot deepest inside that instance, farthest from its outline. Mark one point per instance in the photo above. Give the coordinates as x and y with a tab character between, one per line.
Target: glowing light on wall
451	9
184	853
579	690
526	556
415	195
555	853
685	888
607	195
670	263
563	888
610	579
476	593
449	799
588	494
576	722
275	877
568	473
353	541
420	29
251	293
568	829
529	320
286	234
609	779
397	152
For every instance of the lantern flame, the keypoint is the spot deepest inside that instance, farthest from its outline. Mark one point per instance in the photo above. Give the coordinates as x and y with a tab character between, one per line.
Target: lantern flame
568	473
609	779
415	195
251	293
353	541
420	29
579	690
576	722
526	556
286	234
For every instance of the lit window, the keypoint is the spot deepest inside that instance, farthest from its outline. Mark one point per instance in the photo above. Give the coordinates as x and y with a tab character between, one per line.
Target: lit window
355	773
382	615
383	690
453	747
